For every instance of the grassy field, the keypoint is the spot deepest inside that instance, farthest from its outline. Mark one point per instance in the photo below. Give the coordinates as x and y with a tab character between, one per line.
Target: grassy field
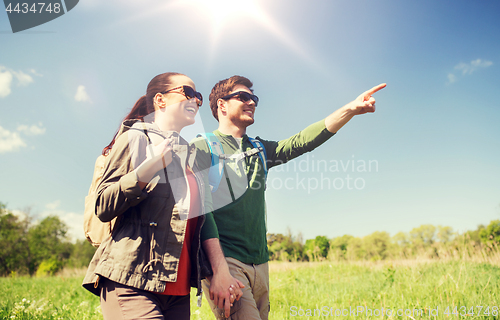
437	289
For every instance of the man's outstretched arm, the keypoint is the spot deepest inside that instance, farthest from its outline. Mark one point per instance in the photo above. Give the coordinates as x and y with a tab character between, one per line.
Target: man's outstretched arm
279	152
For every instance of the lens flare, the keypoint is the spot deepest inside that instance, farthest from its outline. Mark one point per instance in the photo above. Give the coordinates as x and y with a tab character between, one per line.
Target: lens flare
223	15
226	13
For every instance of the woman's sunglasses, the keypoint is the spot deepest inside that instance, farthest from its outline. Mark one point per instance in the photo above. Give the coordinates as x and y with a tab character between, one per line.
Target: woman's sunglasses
243	96
189	93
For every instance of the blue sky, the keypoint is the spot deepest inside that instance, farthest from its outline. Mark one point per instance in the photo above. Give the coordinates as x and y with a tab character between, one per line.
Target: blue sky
433	143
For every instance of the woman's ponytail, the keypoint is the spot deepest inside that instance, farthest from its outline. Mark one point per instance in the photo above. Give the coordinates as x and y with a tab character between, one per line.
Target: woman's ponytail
139	110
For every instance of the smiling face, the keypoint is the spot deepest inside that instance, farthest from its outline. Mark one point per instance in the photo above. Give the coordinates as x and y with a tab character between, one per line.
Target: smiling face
237	112
175	109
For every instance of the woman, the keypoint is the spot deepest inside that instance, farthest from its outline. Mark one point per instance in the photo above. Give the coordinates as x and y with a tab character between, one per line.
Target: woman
146	267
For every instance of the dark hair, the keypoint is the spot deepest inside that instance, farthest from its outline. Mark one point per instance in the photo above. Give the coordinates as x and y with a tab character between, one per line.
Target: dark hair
144	106
223	88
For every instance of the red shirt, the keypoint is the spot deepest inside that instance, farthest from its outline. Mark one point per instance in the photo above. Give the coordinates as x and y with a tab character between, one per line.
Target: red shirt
181	287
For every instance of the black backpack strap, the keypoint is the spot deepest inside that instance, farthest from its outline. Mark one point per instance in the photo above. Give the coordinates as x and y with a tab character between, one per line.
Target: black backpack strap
145	131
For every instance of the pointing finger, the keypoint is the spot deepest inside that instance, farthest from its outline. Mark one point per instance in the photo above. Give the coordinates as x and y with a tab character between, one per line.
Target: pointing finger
374	89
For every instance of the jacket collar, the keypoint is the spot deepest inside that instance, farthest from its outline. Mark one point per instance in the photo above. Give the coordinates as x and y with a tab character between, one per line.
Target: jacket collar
151	128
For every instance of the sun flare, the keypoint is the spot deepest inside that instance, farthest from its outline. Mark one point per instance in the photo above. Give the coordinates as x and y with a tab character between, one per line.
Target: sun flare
224	15
221	12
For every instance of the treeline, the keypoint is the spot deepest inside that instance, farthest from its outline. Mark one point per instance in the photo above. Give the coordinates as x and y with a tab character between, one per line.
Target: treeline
38	247
426	241
44	248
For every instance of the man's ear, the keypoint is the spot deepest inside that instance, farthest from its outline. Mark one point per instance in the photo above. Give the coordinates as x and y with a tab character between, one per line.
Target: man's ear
221	105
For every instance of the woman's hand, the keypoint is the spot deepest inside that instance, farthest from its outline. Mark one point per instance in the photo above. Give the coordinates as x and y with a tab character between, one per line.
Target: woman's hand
157	157
224	290
160	154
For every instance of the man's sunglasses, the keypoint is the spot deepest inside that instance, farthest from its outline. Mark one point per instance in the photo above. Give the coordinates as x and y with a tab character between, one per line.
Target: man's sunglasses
189	93
243	96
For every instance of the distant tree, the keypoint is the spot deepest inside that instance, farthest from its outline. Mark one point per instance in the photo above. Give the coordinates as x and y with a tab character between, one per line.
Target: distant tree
355	249
401	239
297	252
445	234
377	246
277	244
491	234
13	255
323	245
338	247
309	250
48	240
474	235
81	254
317	249
285	247
403	244
423	236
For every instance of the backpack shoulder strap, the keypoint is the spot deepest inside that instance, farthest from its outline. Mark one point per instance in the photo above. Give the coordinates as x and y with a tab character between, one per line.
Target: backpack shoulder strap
217	162
262	152
145	130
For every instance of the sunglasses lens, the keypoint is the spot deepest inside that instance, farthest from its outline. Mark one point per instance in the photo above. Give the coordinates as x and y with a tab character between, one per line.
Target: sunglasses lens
245	96
191	94
199	97
255	99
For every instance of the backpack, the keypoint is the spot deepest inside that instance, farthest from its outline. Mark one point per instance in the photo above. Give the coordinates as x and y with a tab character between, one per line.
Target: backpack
95	230
217	166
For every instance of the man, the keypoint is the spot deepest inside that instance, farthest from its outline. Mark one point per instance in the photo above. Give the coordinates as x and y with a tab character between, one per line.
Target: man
239	199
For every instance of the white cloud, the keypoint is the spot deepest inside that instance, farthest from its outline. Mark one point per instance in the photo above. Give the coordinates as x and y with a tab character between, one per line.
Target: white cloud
81	94
53	205
33	130
5	82
22	78
451	78
469	68
7	75
10	141
36	73
74	221
481	63
21	214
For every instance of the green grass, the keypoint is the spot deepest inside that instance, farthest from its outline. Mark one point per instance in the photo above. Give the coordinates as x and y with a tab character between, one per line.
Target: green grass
47	298
333	287
298	288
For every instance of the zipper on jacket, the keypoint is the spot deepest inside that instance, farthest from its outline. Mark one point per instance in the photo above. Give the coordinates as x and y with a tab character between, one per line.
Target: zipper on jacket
198	303
201	189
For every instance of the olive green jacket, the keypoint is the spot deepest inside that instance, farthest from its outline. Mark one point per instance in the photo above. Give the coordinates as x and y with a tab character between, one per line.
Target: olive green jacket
145	246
